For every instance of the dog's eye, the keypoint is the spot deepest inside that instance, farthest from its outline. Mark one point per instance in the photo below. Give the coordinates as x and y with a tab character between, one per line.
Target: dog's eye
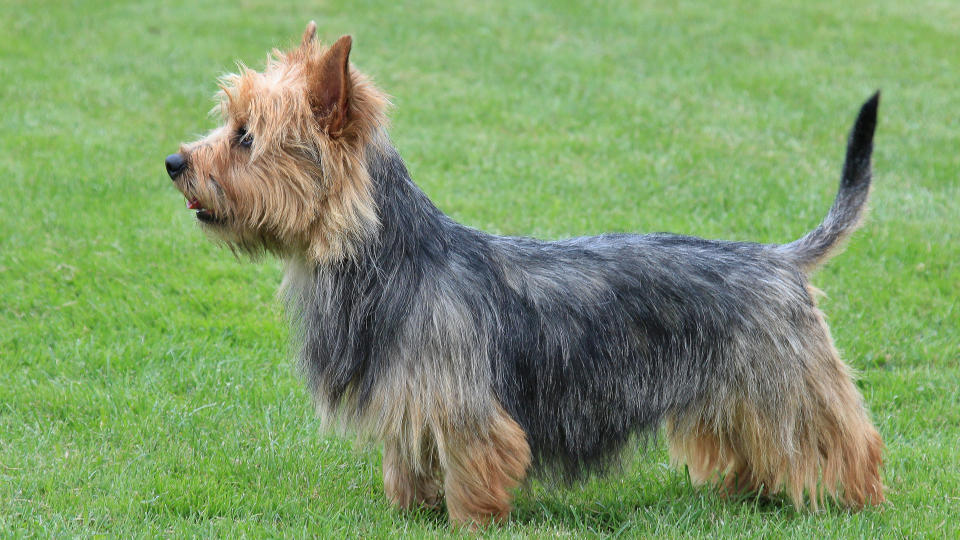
244	138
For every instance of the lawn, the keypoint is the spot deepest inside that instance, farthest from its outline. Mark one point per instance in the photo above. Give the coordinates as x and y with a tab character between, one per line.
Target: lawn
146	382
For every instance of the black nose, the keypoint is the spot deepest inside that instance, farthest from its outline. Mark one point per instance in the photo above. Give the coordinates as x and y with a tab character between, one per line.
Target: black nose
175	165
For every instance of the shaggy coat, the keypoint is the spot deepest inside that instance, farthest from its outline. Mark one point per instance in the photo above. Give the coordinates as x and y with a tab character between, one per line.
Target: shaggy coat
478	359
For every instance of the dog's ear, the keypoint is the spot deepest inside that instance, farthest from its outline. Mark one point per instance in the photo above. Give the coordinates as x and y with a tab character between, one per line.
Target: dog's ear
309	34
329	86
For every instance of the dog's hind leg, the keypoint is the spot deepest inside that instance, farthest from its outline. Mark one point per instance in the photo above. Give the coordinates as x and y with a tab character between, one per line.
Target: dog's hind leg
797	425
847	445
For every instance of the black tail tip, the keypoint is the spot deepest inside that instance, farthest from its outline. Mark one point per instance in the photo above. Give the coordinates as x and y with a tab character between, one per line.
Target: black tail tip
861	137
867	119
856	168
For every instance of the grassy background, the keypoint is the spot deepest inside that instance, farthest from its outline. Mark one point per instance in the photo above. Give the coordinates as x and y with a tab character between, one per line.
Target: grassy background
145	385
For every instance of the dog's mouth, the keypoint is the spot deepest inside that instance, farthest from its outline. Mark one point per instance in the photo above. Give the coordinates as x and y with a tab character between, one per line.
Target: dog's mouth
204	215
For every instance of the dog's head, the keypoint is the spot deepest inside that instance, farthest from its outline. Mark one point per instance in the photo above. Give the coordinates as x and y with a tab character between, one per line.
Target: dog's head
285	170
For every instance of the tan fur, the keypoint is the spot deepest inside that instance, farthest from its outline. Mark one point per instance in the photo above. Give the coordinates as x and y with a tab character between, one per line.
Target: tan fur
478	471
407	484
273	196
830	449
478	465
481	472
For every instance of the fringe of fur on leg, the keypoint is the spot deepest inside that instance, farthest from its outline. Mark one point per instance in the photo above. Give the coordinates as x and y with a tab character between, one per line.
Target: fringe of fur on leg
815	442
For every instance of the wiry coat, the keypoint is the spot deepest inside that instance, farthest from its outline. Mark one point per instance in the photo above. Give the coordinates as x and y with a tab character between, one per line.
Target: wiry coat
584	342
473	356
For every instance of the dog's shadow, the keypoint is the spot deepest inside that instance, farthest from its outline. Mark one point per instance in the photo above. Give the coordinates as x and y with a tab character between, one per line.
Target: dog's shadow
615	505
649	509
622	505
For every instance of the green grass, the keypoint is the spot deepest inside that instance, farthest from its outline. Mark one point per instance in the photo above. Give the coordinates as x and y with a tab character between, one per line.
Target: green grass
146	388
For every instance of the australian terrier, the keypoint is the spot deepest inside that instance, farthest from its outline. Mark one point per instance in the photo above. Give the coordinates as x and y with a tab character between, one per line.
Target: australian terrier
478	360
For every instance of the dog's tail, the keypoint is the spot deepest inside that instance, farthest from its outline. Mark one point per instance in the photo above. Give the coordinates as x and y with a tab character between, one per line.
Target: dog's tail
848	208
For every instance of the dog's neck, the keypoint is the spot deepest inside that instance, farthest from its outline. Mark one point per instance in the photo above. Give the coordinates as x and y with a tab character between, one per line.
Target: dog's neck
409	227
352	310
408	218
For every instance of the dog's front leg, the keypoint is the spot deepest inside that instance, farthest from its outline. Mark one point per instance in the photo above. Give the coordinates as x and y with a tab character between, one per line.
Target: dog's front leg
411	481
482	469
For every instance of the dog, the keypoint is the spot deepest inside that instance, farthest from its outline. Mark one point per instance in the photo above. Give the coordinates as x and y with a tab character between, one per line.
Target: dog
478	360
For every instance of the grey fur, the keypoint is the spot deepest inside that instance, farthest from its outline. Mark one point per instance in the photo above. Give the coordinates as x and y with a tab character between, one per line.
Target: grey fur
583	342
